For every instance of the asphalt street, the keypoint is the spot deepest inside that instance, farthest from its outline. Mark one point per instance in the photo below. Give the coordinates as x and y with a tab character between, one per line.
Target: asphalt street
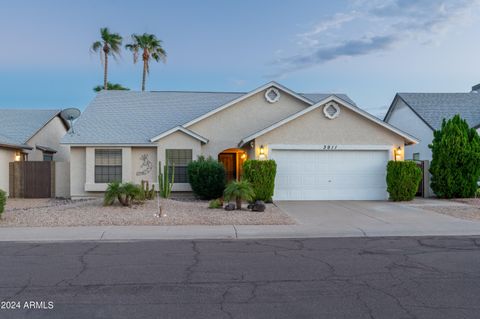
409	277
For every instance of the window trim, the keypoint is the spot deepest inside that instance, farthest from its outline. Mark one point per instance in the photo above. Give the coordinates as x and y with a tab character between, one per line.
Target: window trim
183	165
117	167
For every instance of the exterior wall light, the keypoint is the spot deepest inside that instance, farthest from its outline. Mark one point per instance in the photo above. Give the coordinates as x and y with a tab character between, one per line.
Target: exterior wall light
18	156
262	153
398	153
243	156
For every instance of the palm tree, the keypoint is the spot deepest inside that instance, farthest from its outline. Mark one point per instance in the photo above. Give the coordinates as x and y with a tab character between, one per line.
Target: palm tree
151	47
238	191
111	86
110	44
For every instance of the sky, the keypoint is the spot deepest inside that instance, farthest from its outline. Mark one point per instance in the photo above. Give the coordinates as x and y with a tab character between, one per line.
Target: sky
368	49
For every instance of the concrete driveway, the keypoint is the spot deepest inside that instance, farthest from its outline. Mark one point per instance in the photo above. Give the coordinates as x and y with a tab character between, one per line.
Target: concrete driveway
375	218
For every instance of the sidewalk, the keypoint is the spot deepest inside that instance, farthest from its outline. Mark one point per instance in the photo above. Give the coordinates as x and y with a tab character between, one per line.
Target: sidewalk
126	233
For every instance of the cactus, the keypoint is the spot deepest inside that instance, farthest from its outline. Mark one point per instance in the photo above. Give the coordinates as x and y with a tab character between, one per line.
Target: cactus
148	193
165	185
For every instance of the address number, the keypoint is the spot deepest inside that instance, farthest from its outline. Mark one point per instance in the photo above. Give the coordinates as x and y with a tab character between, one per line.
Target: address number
329	147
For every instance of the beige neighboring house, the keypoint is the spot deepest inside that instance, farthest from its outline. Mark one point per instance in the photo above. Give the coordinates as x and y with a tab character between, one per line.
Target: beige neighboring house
30	135
326	147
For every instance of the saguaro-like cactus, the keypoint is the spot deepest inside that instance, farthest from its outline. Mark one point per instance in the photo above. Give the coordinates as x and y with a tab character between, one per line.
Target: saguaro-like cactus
164	184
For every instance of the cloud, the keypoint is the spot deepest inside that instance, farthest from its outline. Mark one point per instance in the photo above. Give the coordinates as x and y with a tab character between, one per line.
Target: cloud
371	26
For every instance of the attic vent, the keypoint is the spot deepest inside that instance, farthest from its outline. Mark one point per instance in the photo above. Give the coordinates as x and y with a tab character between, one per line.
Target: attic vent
331	110
272	95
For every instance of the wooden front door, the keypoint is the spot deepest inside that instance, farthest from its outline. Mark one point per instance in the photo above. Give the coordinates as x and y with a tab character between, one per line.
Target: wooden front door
229	161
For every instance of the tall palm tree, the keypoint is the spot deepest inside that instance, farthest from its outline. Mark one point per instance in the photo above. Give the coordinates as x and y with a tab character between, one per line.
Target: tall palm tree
110	45
151	48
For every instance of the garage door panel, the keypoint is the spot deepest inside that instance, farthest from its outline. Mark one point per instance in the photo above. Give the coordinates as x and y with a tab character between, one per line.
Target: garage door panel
330	175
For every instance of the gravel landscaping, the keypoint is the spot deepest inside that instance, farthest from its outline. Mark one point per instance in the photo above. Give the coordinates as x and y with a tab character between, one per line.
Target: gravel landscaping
464	208
91	212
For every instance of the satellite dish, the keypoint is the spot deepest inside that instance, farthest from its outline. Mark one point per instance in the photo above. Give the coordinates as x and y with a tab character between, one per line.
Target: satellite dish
70	115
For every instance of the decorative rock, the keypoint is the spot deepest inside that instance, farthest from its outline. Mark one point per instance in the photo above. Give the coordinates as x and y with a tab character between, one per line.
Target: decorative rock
259	206
230	206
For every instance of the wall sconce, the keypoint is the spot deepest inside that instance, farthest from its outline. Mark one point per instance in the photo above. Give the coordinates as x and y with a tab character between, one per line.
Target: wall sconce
243	156
262	153
398	153
18	156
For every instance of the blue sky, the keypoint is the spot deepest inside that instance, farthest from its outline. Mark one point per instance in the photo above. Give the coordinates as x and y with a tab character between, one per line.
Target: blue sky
369	49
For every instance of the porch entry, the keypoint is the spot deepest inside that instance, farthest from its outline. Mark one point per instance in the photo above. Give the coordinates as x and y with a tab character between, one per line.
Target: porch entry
232	159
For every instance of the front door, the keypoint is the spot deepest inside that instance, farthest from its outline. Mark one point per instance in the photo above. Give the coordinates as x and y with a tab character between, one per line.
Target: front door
230	163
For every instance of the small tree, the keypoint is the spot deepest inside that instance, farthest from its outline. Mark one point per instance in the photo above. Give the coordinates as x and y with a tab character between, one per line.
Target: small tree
261	174
238	191
403	179
3	201
455	165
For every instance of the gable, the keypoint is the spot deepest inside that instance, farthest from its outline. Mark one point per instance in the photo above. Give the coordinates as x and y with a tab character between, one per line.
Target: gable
315	128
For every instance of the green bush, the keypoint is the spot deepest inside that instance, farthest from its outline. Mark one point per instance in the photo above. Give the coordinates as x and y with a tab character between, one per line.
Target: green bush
3	201
125	193
238	191
455	165
403	179
207	177
261	174
215	203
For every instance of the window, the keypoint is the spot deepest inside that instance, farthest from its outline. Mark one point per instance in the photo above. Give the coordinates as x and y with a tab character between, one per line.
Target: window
108	166
180	159
47	157
416	156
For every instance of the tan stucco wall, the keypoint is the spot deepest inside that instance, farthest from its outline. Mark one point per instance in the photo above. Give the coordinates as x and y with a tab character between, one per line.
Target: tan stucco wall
313	128
6	156
178	140
142	171
62	179
226	128
77	171
50	136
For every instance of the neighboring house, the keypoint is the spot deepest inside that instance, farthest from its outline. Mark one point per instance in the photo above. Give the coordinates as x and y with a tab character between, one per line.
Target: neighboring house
420	114
30	135
324	145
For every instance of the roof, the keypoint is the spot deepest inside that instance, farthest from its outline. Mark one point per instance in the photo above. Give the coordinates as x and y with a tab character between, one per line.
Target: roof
136	118
17	126
432	108
409	138
45	149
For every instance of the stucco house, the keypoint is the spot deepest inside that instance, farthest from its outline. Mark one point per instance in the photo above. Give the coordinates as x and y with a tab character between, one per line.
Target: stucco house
420	114
324	145
30	135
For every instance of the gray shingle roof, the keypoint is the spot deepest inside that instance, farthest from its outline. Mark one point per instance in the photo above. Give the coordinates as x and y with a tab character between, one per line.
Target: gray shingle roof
17	126
434	107
129	117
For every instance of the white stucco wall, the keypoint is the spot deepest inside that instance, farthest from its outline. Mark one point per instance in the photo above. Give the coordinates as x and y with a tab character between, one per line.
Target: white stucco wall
405	119
6	156
50	136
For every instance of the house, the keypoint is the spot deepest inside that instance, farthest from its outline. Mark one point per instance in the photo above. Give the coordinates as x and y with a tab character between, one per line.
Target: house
30	135
324	145
419	114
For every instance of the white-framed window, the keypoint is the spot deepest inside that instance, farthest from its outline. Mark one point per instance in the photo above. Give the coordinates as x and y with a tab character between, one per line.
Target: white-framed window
47	157
272	95
416	156
108	166
180	158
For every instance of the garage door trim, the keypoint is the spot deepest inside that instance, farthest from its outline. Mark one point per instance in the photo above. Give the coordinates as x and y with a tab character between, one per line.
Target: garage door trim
339	147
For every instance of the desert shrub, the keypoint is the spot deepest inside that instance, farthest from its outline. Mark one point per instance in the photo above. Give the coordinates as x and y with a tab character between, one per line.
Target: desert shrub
261	174
207	177
403	179
455	165
238	191
3	201
215	203
125	193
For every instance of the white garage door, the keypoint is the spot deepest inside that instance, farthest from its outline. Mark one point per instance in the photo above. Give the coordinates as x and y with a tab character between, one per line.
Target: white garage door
330	175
